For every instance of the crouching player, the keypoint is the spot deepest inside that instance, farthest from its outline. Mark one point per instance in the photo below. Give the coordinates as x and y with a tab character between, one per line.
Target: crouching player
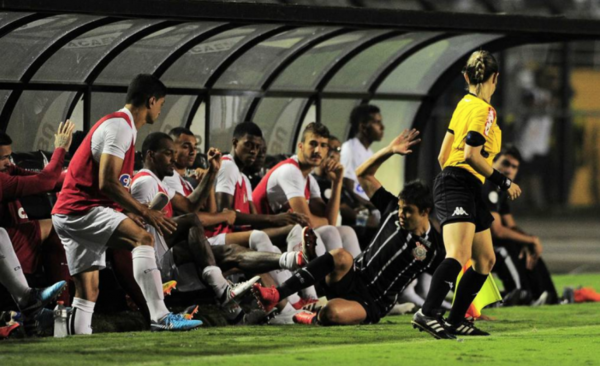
364	289
188	244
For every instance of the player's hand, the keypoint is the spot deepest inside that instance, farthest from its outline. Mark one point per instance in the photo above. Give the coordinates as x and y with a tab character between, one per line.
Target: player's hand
199	173
514	191
64	135
230	216
214	159
137	219
403	143
334	170
160	222
289	218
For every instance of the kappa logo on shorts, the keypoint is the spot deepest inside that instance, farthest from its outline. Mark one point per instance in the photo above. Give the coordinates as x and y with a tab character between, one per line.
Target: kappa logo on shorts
459	211
125	180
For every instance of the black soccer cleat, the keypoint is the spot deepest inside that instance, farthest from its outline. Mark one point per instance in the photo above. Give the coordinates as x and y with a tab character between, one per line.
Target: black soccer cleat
465	328
432	325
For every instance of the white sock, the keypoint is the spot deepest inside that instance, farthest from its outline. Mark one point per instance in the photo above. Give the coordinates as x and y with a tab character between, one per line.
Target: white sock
81	317
294	237
288	261
213	276
349	240
11	274
260	242
309	293
330	238
147	276
288	308
410	295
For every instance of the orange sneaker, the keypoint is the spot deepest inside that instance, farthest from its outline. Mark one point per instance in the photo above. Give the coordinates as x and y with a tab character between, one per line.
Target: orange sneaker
305	317
189	312
586	294
267	297
168	287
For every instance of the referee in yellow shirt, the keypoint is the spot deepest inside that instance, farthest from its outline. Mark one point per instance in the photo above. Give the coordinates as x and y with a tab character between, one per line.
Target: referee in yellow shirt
466	156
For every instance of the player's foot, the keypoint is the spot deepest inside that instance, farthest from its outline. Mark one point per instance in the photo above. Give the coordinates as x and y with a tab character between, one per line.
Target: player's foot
9	330
168	287
42	323
309	243
305	304
293	260
542	300
188	313
40	297
174	322
465	328
234	293
267	297
305	317
432	325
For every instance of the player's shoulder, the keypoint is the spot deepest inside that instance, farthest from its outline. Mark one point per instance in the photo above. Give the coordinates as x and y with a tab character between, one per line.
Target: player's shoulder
229	166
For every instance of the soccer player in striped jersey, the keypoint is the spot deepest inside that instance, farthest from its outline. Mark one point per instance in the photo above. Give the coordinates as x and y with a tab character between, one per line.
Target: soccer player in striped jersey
364	289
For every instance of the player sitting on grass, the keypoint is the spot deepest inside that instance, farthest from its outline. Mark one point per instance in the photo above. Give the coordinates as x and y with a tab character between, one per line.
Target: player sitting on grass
364	289
188	243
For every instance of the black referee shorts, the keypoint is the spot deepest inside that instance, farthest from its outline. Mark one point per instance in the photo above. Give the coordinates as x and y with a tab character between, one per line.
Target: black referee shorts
457	198
352	287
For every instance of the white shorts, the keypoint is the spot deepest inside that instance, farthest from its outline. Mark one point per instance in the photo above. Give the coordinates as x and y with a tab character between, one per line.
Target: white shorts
217	240
85	237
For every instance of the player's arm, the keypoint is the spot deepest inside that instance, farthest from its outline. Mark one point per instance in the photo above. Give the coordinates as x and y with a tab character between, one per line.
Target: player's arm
299	205
400	145
335	171
446	148
201	194
27	184
110	168
349	185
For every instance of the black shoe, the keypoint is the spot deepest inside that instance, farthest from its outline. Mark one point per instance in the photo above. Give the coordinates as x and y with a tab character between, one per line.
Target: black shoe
465	328
432	325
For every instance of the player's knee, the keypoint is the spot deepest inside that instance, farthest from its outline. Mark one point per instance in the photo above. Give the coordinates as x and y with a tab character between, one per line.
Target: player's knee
485	263
330	315
342	259
147	239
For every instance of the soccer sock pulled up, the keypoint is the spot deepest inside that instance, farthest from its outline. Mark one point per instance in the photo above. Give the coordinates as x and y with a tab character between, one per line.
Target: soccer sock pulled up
148	278
316	270
468	288
444	280
81	317
213	276
11	274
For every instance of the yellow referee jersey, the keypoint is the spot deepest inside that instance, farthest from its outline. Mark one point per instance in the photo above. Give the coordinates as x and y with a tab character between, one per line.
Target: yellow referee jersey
473	114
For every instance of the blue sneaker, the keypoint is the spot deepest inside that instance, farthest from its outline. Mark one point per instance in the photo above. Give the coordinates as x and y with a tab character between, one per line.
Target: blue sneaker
39	298
174	322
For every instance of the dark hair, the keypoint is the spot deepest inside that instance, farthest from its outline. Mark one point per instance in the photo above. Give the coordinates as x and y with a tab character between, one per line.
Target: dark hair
153	142
178	131
247	128
5	139
333	138
362	114
510	150
480	66
142	88
317	129
417	193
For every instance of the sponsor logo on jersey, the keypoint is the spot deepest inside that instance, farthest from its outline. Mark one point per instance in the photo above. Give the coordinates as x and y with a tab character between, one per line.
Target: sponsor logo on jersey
490	121
459	211
22	214
125	180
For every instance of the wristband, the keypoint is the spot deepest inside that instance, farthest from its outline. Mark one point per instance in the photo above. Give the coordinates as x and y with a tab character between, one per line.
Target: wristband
500	180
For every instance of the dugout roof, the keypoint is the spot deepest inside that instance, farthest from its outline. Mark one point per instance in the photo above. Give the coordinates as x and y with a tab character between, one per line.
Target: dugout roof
224	63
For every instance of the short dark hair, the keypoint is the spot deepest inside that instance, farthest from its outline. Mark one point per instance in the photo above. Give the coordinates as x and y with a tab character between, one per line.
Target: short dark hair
178	131
142	88
417	193
362	114
5	139
512	151
333	138
247	128
317	129
153	142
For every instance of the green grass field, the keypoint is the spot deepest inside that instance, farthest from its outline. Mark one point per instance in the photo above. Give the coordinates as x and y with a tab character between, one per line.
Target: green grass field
550	335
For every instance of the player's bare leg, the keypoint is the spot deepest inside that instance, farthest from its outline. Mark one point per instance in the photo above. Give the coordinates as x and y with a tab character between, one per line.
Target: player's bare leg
342	312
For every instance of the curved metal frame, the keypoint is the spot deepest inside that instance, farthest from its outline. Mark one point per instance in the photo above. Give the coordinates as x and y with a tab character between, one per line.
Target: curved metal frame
41	59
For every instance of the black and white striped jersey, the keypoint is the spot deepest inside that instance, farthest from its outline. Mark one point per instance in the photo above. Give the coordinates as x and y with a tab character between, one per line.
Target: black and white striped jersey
395	257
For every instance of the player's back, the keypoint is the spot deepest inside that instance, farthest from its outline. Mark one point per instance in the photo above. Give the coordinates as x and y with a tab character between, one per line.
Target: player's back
473	114
113	134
